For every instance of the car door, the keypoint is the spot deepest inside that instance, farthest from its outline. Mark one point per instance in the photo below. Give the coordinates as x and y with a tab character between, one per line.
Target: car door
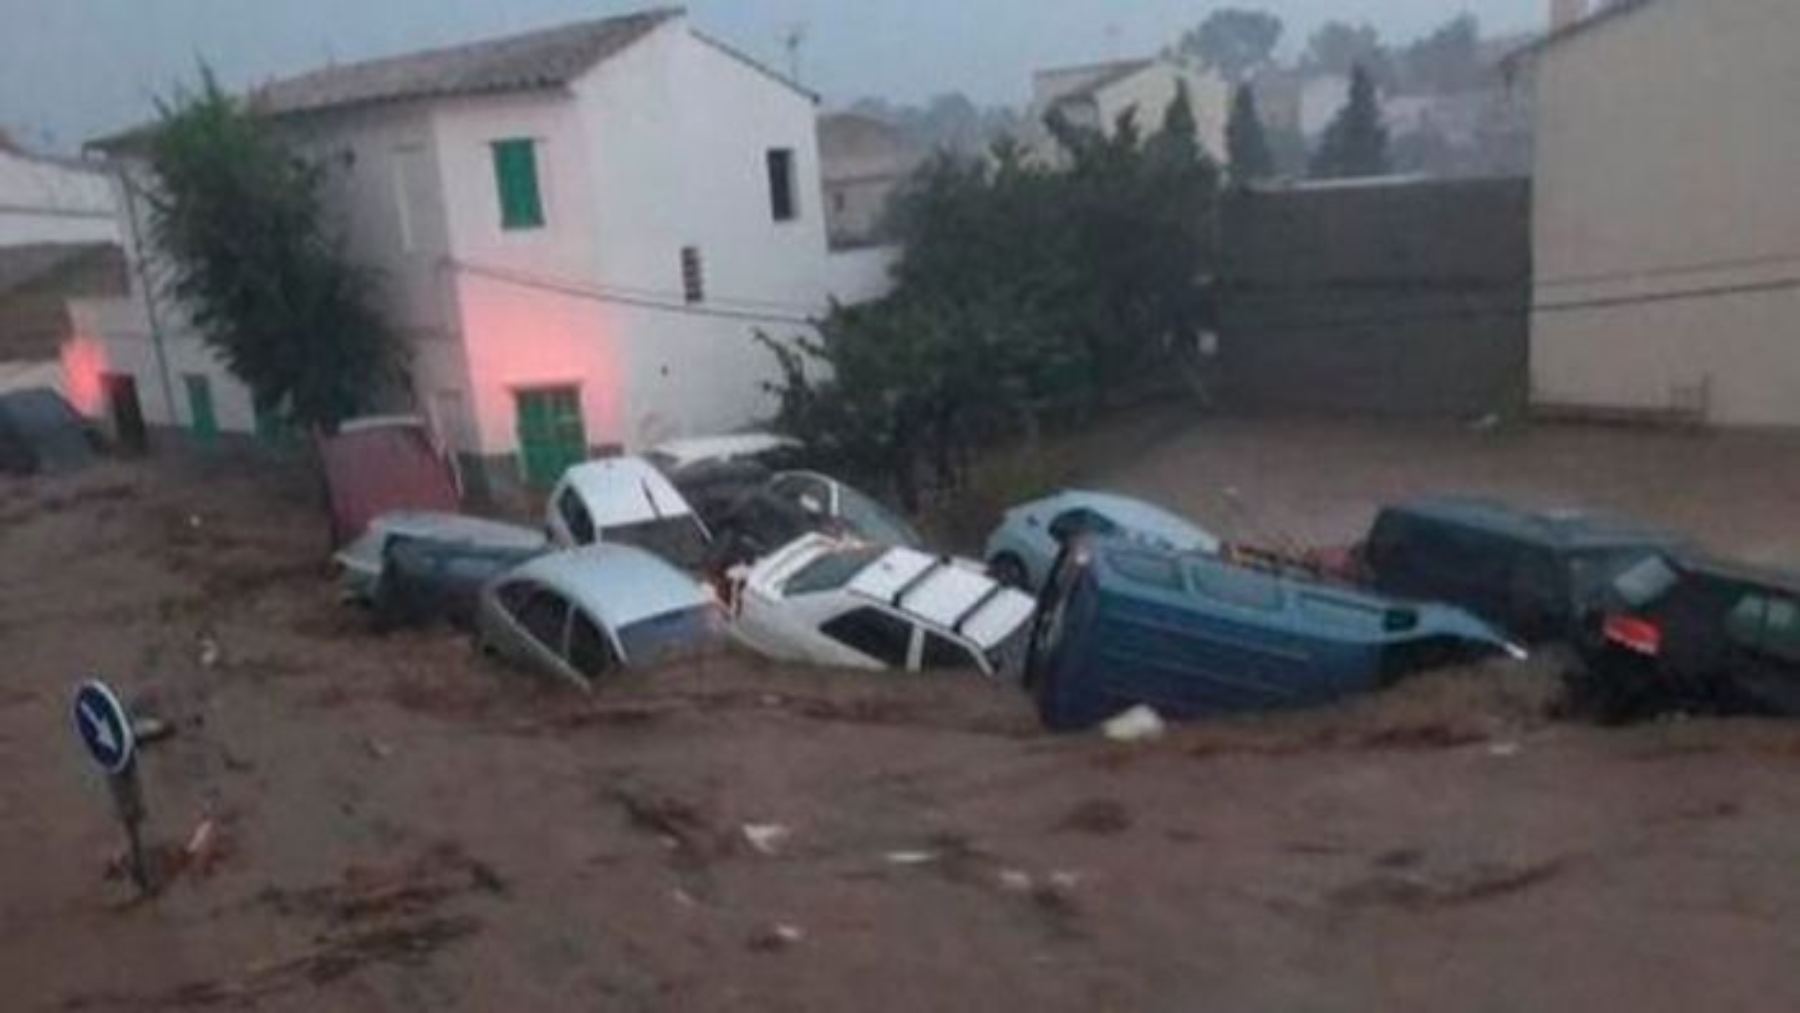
1763	653
590	652
536	627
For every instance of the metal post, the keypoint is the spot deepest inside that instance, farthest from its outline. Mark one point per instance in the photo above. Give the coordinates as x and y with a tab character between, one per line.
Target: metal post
128	801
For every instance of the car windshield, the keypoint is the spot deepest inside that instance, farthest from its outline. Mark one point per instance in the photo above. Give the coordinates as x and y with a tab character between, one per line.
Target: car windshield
832	570
679	540
875	522
1644	583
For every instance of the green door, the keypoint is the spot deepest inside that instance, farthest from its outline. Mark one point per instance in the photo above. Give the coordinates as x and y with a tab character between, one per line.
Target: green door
552	437
204	421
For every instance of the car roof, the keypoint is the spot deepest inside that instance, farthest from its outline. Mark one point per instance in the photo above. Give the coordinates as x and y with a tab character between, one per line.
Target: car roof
625	490
617	584
1565	530
1138	515
941	594
685	452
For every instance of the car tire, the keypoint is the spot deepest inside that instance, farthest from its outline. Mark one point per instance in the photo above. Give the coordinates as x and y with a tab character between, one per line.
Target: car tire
1010	570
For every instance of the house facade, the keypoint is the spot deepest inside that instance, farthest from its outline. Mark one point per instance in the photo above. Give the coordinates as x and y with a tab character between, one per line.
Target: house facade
1094	96
47	201
580	231
864	163
1666	214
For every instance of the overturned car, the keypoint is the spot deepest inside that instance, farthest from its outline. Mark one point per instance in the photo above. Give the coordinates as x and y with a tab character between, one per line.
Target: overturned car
1121	624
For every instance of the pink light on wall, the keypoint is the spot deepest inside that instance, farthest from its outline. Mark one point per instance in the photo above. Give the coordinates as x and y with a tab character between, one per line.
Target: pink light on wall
84	364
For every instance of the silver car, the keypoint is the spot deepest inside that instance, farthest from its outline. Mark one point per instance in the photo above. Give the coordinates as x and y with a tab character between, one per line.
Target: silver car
584	614
1024	547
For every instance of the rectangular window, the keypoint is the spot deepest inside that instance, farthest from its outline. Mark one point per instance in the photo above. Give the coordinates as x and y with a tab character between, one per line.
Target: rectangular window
693	277
783	197
516	175
409	168
201	417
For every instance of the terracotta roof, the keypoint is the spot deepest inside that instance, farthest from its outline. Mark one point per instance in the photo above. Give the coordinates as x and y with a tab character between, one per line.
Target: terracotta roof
541	59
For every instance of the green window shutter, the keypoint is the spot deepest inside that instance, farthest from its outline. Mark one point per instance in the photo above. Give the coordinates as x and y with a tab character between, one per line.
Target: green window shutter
516	175
204	420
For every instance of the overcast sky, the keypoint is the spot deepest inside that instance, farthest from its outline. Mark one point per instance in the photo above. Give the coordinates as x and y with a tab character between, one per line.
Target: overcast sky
70	69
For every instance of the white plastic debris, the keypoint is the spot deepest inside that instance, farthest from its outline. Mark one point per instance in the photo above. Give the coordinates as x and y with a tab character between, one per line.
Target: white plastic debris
1139	724
776	936
1065	880
911	857
1504	750
1015	881
209	652
766	838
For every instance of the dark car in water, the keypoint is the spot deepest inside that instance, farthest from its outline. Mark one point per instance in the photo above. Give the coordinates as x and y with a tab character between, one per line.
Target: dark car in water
1191	635
1679	632
792	504
1532	573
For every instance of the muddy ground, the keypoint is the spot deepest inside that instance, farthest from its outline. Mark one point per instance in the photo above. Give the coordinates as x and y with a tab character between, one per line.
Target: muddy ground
391	824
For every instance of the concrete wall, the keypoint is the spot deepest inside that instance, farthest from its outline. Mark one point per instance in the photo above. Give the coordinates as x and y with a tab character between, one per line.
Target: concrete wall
1668	161
50	201
1404	300
1152	90
862	275
864	163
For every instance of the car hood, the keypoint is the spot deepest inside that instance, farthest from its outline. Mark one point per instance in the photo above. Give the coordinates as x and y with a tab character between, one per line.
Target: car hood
364	554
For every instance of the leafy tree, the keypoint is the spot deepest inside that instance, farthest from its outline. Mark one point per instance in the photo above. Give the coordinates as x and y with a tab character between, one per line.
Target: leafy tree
1356	142
1026	292
1447	61
1234	40
1249	154
1337	47
252	261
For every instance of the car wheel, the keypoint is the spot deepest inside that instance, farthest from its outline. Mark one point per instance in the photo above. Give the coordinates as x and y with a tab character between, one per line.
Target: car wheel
1009	570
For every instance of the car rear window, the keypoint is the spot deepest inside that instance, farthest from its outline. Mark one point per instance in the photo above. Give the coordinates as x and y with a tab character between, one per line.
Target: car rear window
1646	582
874	521
1159	571
831	571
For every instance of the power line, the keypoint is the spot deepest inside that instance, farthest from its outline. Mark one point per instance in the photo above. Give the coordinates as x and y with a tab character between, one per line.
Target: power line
605	294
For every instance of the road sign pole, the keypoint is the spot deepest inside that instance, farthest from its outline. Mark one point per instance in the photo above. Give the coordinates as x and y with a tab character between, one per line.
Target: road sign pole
128	802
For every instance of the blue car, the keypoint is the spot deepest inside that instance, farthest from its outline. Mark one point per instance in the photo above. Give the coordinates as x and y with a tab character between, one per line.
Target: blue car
1192	636
1024	547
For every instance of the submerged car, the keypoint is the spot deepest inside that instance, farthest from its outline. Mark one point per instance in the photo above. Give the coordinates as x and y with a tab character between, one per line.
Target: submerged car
425	582
626	501
1678	632
363	561
847	604
1121	625
797	503
1025	546
584	614
1532	573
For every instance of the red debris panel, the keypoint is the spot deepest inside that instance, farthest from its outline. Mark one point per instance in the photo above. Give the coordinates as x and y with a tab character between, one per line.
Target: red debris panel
380	466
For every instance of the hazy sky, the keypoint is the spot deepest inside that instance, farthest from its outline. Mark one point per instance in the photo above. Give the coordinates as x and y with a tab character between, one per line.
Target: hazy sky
70	69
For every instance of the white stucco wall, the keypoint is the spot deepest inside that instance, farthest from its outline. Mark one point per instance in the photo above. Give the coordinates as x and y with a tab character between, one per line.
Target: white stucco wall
48	201
861	275
1150	92
1666	142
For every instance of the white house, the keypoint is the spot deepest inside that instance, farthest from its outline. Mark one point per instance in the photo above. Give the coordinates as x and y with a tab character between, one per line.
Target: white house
864	162
53	201
1666	215
1095	95
581	229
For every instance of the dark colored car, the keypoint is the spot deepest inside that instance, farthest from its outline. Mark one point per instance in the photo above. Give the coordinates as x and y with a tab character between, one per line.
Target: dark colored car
1192	635
796	503
1678	632
1533	574
424	582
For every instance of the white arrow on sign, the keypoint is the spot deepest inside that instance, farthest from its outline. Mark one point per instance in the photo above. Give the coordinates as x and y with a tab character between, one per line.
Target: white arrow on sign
102	728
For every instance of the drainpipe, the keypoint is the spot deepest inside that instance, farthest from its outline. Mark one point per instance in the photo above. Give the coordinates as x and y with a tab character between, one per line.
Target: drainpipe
143	272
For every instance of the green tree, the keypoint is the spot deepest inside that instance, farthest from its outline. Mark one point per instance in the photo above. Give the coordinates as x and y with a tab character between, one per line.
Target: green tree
1248	153
1338	47
1025	293
251	260
1356	142
1234	40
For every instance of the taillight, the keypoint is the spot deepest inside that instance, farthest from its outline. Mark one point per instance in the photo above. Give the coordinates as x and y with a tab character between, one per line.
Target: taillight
1639	636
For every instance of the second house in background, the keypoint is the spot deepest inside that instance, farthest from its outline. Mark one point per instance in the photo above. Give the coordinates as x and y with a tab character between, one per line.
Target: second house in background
581	230
1093	97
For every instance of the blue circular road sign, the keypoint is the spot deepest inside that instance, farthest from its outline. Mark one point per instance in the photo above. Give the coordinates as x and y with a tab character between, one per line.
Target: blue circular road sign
104	727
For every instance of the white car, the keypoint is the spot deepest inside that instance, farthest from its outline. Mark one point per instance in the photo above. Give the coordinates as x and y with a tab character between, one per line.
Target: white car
1022	550
625	500
848	604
